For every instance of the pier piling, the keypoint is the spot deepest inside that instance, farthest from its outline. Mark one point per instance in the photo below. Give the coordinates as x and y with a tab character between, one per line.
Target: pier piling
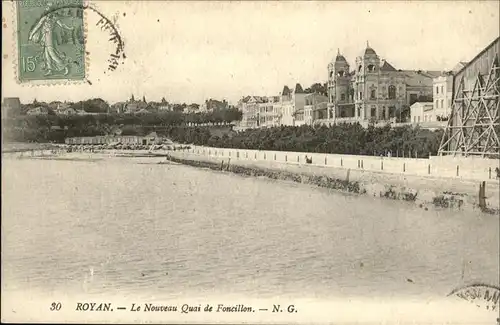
482	195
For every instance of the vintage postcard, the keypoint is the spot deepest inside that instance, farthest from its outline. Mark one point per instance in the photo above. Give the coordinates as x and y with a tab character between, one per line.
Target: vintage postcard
254	162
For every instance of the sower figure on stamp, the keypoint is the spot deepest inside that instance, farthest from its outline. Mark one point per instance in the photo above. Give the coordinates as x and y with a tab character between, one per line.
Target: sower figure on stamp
42	33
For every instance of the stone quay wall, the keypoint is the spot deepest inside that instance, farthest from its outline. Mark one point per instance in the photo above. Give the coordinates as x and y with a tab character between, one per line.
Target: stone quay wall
470	168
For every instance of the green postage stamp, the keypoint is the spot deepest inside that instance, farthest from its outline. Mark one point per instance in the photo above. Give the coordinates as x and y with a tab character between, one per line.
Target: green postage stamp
51	40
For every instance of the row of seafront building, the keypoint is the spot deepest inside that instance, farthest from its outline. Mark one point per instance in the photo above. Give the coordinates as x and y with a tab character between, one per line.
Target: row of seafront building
373	91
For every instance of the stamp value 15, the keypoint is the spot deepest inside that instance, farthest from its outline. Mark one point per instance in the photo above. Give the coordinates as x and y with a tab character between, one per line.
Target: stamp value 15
51	40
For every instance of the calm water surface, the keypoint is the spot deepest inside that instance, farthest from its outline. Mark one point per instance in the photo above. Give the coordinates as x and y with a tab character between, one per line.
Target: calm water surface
120	226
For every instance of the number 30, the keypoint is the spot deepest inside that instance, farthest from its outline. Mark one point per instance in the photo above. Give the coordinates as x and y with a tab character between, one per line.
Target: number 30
55	306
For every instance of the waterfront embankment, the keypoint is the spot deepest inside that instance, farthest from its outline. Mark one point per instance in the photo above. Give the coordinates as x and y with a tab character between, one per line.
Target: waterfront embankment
425	191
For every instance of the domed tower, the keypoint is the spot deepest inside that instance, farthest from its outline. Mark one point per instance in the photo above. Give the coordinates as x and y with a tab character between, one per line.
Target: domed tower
368	63
338	82
367	83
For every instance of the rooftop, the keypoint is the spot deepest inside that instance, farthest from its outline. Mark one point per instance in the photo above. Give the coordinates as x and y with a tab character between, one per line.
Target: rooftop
340	57
298	89
386	66
420	77
369	50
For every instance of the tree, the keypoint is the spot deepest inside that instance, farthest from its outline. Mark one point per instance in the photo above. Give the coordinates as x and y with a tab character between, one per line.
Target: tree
144	99
179	107
95	105
317	88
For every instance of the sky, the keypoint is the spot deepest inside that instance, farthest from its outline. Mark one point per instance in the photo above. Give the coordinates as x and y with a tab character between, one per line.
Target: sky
191	51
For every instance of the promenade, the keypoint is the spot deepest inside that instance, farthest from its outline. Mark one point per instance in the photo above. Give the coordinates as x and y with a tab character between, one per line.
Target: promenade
459	168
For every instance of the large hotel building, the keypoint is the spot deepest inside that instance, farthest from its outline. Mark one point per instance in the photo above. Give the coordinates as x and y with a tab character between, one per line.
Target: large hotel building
372	90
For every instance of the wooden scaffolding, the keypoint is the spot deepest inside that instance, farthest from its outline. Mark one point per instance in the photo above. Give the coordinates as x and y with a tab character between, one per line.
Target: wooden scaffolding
474	125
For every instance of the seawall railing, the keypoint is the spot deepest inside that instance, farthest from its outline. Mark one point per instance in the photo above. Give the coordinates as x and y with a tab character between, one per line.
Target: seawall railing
470	168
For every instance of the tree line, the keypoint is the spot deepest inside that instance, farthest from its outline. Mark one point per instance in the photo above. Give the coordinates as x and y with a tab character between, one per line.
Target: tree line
337	139
55	128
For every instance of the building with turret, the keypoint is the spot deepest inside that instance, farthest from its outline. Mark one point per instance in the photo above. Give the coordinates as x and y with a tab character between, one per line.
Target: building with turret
373	89
340	88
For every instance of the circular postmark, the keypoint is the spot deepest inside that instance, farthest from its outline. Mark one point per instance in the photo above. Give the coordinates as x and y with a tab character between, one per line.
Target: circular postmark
61	33
480	294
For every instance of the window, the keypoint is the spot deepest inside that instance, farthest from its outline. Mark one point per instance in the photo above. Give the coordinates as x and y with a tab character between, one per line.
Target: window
442	103
436	104
371	68
331	74
419	119
392	92
442	92
340	73
373	111
359	68
342	96
415	119
437	90
392	110
372	94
